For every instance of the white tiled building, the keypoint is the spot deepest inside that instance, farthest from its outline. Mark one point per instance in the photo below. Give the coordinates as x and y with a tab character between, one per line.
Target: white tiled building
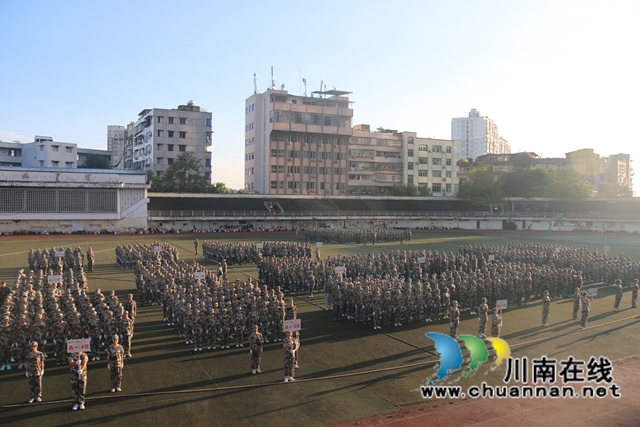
478	135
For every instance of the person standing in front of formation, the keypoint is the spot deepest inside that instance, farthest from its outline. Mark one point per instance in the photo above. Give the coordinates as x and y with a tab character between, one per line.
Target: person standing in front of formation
296	340
586	308
35	371
454	319
289	346
255	349
195	246
616	303
634	293
78	377
546	303
577	299
6	331
496	323
483	311
115	363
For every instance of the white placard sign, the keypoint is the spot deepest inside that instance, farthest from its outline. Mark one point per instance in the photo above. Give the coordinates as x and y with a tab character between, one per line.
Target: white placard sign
340	270
422	259
492	257
593	292
59	254
56	278
501	304
74	346
557	250
199	275
259	245
318	244
157	249
607	248
292	325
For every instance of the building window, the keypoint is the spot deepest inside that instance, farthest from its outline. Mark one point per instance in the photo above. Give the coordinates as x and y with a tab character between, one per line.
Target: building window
41	163
410	179
182	147
410	166
327	120
423	160
448	174
274	168
437	161
410	152
207	122
160	119
169	147
437	149
422	173
42	148
160	147
55	147
69	165
183	121
436	188
160	132
448	188
448	162
183	134
55	163
449	149
170	161
170	133
69	149
274	184
159	160
410	140
436	174
423	147
274	152
170	119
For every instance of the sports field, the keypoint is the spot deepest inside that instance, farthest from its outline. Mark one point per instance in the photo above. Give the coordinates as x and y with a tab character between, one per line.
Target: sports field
347	372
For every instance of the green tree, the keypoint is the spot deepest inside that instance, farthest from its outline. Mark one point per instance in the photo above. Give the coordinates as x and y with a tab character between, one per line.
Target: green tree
95	161
616	190
218	188
480	188
425	191
567	183
408	190
524	182
151	177
184	175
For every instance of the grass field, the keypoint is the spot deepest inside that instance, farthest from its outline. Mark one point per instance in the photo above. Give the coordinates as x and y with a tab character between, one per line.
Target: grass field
346	371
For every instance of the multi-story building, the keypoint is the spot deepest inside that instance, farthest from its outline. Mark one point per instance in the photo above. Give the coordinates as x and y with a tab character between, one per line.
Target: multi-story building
116	141
160	135
45	152
431	163
297	144
478	135
105	157
10	153
602	170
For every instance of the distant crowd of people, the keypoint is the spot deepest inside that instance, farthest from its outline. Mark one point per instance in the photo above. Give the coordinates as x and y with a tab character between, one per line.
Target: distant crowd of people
357	235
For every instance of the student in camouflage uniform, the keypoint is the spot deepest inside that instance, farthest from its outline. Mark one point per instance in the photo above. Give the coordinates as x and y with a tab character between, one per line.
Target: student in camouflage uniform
336	297
634	293
454	319
35	370
239	325
577	299
296	339
23	331
483	312
78	377
586	308
59	339
496	323
289	347
115	363
225	328
5	343
126	331
616	303
255	349
198	331
546	303
94	335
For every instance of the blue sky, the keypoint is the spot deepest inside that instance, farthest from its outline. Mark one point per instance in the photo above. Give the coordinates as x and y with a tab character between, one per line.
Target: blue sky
555	75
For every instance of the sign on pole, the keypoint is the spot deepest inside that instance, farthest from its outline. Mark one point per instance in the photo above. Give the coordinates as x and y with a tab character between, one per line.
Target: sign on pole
74	346
318	244
55	278
492	257
292	325
340	270
422	259
501	304
199	275
259	245
593	292
59	254
607	248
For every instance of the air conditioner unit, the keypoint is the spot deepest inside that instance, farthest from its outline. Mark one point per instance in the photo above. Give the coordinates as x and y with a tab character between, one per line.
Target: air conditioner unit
336	161
290	159
296	190
289	143
313	159
288	174
313	176
328	191
305	143
444	167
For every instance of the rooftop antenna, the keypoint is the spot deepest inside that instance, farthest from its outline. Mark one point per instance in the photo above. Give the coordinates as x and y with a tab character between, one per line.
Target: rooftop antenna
273	82
255	83
305	86
321	85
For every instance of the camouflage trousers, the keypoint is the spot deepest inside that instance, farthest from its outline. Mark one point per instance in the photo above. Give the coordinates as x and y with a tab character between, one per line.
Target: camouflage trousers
634	299
545	316
256	356
482	326
35	386
616	303
576	307
583	320
78	390
453	328
288	364
495	330
115	374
